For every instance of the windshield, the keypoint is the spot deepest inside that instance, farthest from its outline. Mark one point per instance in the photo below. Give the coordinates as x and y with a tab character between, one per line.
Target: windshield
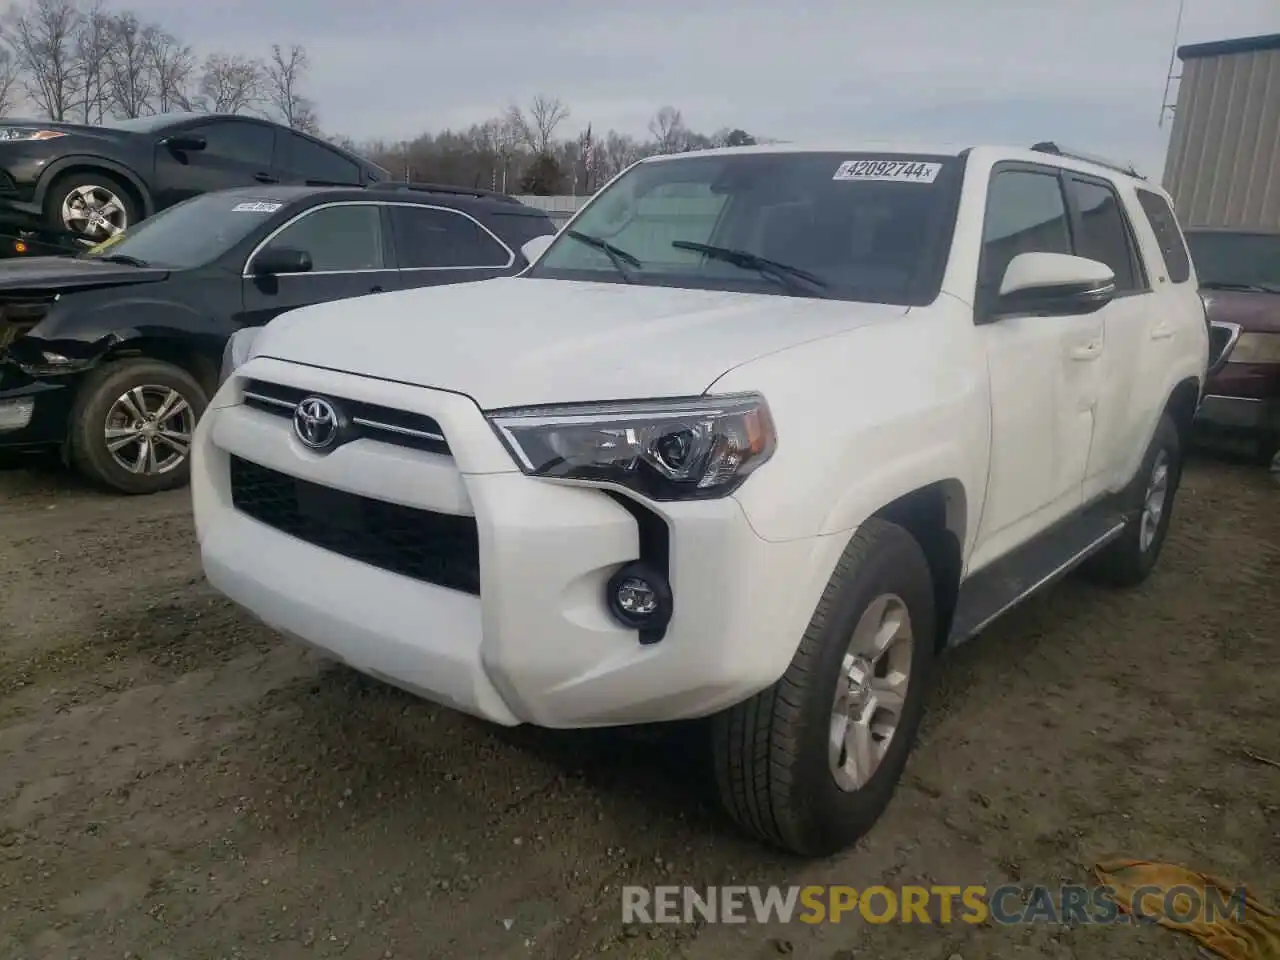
192	234
869	227
1236	259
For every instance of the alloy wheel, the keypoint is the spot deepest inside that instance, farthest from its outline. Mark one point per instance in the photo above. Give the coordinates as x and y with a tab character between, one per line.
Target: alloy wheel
871	691
148	429
94	212
1153	503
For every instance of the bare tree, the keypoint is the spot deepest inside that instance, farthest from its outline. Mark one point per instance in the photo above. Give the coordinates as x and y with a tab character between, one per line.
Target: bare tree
43	37
172	66
231	84
668	130
92	48
283	79
545	115
8	81
131	82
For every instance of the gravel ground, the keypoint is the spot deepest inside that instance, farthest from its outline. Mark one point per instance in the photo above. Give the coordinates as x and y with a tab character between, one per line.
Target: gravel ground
177	782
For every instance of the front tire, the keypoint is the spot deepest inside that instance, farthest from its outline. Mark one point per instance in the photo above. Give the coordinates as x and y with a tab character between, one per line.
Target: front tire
809	764
132	424
1129	559
95	206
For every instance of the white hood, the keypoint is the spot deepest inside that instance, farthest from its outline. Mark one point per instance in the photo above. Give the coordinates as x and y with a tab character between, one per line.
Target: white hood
516	341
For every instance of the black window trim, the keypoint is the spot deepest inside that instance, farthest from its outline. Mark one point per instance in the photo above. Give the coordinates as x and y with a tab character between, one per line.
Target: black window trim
1141	276
246	274
511	256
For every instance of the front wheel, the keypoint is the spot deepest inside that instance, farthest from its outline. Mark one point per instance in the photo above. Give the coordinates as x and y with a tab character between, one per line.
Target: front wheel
132	425
809	764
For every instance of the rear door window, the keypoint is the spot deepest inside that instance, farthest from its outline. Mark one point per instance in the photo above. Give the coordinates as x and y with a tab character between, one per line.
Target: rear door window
1165	226
434	237
306	160
1105	235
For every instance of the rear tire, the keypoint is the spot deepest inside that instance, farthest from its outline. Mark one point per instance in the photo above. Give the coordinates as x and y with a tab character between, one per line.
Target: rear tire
779	776
1129	559
132	423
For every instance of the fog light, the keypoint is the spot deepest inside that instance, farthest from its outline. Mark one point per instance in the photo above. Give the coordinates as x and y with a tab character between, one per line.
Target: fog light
640	597
16	414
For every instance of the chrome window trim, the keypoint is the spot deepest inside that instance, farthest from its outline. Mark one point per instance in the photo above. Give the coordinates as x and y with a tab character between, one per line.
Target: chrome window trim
245	274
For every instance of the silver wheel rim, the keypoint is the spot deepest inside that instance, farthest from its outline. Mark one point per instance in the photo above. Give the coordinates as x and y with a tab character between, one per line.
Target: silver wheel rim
1154	502
871	691
94	212
148	430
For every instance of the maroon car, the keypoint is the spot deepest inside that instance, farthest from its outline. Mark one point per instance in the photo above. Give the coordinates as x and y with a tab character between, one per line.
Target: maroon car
1239	274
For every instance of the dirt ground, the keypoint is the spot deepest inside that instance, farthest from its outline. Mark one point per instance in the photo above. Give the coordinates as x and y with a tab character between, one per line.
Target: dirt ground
177	782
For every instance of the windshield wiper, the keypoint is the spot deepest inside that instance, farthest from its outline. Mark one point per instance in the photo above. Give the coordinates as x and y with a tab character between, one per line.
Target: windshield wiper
1243	287
617	256
121	258
783	273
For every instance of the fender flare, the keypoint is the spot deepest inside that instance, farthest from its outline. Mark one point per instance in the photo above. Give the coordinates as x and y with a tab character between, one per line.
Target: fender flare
119	170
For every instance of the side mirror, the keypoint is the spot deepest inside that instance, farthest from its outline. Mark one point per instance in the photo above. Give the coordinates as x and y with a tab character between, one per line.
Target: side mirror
536	247
1053	285
277	260
185	143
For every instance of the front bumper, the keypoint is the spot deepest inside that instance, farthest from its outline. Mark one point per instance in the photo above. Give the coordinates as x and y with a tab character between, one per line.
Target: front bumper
33	412
537	645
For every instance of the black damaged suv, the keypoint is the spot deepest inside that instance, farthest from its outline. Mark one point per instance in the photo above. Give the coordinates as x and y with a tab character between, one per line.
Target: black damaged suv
113	354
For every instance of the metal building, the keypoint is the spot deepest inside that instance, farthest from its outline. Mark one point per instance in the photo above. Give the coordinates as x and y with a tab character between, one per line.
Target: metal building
1223	164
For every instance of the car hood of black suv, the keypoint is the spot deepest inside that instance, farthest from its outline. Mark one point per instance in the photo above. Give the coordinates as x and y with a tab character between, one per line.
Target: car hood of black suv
54	274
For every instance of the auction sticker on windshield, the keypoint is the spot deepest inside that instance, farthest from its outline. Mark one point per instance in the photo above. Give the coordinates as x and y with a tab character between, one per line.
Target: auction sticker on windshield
888	171
256	206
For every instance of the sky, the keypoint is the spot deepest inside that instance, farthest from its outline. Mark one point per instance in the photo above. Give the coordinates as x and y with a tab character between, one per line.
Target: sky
1089	74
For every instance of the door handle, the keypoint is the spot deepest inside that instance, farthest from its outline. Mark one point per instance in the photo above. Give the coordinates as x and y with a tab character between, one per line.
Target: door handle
265	178
1088	351
375	289
1162	331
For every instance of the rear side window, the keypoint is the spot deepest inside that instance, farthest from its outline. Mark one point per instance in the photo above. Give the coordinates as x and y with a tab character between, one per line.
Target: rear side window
1165	226
1104	234
429	237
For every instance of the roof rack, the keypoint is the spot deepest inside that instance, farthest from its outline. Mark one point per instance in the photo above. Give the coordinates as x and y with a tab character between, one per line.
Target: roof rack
1048	146
446	188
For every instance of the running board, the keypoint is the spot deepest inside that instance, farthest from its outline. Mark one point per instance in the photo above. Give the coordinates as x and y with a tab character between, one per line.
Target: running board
996	589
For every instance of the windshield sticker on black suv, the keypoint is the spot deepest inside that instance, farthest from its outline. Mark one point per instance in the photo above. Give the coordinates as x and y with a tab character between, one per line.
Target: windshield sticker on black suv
888	171
256	206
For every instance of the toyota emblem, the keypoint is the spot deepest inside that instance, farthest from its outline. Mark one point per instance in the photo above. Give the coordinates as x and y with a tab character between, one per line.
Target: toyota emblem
316	423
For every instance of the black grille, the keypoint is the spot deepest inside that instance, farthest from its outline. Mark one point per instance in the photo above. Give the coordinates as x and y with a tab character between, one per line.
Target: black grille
385	424
432	547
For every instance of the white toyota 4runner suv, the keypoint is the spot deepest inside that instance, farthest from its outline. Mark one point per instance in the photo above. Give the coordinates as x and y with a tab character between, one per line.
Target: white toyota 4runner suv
758	435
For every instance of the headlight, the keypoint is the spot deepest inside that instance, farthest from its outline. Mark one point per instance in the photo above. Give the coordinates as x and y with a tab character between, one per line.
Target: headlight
1256	348
26	133
237	352
686	449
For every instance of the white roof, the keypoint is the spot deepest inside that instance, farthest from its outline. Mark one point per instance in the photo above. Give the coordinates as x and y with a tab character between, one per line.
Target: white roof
953	148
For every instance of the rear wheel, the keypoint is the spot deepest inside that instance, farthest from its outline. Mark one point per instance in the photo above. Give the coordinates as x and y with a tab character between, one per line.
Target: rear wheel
809	764
1129	559
132	425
